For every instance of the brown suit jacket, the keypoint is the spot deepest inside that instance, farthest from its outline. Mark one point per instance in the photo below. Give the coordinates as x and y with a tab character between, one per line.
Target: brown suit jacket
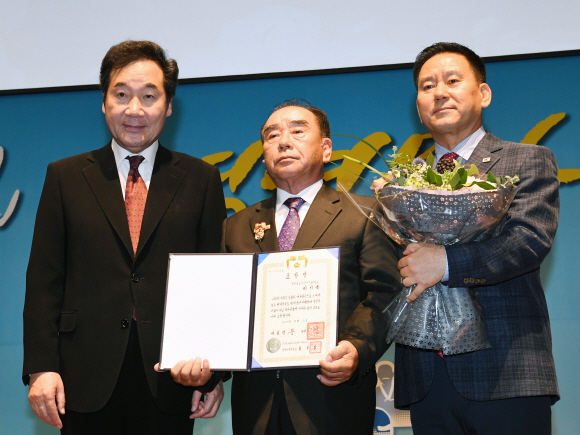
368	280
83	280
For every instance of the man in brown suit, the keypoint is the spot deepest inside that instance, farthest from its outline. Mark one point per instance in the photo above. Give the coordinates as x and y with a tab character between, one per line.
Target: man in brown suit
338	398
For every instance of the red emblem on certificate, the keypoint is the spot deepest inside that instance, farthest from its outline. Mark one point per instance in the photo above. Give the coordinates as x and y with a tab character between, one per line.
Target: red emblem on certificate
315	346
315	331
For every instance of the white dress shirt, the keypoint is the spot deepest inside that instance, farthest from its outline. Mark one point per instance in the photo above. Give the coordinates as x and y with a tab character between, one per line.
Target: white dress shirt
282	211
123	165
464	148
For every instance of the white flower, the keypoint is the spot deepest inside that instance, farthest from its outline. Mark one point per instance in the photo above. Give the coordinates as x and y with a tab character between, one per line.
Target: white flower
470	180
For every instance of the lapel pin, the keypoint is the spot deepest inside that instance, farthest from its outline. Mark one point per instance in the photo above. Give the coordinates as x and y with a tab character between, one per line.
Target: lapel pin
486	159
259	229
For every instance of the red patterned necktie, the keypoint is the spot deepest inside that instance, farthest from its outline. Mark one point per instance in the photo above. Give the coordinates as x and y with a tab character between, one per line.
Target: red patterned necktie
449	156
291	225
135	197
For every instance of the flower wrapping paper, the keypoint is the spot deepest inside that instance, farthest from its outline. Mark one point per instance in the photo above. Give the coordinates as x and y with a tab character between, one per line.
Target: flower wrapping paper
442	318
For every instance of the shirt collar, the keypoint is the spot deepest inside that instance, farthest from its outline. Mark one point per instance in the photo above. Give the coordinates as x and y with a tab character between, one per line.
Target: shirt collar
121	153
307	194
464	148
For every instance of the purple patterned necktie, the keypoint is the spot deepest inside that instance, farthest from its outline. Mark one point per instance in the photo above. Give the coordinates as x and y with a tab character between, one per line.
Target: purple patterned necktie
291	225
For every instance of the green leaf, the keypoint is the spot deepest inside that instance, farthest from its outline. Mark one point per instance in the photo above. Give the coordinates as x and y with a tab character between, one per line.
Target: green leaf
430	160
456	179
463	178
401	181
491	178
484	185
431	176
472	171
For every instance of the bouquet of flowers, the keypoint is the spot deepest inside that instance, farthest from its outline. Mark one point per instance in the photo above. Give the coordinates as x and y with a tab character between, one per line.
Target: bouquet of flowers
452	204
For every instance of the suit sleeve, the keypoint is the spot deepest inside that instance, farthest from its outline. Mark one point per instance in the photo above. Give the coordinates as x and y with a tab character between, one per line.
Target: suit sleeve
214	213
528	230
366	328
45	280
223	248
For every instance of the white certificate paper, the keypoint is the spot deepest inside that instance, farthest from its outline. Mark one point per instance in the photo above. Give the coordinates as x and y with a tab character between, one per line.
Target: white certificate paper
207	305
251	311
296	308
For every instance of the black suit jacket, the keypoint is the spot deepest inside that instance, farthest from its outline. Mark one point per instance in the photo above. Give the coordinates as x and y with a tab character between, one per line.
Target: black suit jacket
368	280
506	270
83	280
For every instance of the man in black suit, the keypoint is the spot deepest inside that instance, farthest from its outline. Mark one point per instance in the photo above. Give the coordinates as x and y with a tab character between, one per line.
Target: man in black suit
509	387
106	223
338	398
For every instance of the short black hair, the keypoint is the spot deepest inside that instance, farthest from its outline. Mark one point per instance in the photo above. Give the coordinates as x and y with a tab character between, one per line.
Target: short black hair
121	55
477	65
321	117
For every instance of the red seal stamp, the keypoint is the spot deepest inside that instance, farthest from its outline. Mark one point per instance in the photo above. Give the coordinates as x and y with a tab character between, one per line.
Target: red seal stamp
315	347
315	331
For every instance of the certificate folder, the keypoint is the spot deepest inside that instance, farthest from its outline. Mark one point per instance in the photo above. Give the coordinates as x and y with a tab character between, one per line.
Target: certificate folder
251	311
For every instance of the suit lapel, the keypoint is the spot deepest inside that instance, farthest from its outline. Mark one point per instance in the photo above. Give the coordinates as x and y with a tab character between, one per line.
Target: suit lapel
165	180
486	153
324	209
103	177
265	212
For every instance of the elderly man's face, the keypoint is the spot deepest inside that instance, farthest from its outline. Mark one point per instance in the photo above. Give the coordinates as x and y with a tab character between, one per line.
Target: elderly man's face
449	98
294	149
135	107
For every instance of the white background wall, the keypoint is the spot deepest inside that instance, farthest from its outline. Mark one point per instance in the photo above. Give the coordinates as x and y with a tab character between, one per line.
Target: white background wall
61	42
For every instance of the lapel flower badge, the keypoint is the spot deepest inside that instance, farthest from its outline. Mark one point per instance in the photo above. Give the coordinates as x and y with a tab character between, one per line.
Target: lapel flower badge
259	229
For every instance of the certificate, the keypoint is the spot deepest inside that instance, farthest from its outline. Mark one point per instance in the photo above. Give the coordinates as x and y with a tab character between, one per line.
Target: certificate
251	311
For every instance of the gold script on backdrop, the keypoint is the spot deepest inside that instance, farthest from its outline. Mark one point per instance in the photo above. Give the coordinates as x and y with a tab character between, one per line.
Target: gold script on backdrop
348	172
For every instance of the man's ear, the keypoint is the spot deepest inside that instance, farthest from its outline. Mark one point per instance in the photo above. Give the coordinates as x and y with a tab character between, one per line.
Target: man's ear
326	149
485	95
169	108
418	112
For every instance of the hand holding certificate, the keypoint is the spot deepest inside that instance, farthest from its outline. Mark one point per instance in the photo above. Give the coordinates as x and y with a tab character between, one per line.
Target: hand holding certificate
251	311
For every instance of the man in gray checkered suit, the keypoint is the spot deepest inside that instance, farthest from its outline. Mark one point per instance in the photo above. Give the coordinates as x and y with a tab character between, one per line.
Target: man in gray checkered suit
508	388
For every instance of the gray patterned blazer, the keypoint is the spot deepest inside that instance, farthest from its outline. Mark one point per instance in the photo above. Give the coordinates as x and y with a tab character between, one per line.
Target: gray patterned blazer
520	361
